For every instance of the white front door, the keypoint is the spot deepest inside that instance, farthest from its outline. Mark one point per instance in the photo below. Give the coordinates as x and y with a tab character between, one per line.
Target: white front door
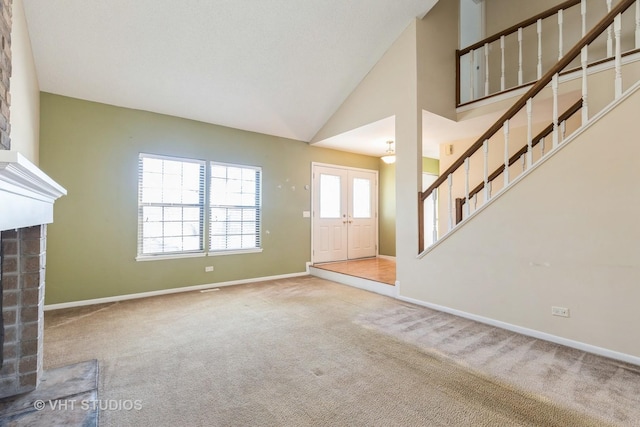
344	213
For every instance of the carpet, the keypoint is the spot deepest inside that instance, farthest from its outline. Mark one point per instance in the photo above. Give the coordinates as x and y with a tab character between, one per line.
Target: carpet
291	352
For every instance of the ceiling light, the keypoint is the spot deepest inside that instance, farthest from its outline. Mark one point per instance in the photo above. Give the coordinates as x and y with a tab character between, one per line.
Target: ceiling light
390	156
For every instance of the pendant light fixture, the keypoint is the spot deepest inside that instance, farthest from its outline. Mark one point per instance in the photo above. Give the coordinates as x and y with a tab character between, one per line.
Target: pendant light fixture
390	156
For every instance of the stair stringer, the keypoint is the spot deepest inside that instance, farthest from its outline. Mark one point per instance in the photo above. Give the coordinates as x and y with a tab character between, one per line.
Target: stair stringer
565	233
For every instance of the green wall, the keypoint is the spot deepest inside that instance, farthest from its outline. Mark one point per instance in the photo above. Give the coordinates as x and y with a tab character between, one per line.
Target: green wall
387	209
431	166
92	150
387	219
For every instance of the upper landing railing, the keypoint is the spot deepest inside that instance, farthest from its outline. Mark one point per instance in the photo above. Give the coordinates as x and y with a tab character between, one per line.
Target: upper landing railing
501	149
521	54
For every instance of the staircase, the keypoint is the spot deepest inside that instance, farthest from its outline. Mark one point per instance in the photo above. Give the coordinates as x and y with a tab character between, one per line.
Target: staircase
544	118
539	216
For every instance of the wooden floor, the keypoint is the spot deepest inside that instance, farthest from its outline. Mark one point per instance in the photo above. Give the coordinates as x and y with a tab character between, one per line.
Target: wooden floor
376	269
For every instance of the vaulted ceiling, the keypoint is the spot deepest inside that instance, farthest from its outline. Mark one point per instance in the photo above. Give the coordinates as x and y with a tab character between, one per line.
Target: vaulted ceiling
279	67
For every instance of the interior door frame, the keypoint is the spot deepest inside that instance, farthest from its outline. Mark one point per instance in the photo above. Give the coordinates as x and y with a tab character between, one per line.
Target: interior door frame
313	202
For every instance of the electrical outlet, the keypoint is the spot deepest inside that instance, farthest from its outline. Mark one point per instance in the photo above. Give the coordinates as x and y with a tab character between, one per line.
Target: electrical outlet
560	311
208	269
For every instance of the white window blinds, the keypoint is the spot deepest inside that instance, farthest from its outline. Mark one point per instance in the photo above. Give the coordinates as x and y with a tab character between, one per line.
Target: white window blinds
234	207
171	205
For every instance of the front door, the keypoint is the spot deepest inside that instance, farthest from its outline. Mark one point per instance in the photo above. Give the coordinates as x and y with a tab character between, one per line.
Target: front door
344	213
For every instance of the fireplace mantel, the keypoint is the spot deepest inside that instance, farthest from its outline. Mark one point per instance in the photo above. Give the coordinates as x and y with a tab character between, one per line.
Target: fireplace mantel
27	194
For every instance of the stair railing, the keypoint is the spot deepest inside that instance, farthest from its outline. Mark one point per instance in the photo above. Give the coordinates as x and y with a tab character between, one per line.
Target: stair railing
612	19
520	155
481	73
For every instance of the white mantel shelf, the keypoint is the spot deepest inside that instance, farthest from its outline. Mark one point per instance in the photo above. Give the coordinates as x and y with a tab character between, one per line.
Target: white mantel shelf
27	194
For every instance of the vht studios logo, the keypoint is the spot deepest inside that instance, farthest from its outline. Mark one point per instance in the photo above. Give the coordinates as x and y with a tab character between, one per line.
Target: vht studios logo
86	405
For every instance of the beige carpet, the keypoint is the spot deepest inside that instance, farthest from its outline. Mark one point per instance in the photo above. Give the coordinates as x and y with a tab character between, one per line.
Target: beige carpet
294	352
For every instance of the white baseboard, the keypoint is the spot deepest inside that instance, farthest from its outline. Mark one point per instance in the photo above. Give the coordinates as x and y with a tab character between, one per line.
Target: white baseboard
529	332
388	257
169	291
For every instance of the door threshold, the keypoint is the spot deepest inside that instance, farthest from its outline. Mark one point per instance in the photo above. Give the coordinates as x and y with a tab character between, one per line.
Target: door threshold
354	281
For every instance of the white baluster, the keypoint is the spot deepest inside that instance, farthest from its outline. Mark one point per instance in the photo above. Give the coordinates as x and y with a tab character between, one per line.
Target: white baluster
539	29
490	185
435	214
609	34
529	132
523	160
519	56
472	75
583	13
450	184
560	41
506	153
541	147
502	85
486	69
475	202
554	89
485	148
466	186
585	104
563	130
637	24
617	25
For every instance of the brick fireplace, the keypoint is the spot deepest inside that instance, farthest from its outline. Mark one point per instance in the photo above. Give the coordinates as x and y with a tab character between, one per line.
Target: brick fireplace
26	205
5	144
22	278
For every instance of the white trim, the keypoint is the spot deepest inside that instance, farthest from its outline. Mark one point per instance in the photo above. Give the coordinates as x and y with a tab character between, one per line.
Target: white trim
387	257
356	282
548	155
329	165
529	332
27	194
159	257
19	176
118	298
235	252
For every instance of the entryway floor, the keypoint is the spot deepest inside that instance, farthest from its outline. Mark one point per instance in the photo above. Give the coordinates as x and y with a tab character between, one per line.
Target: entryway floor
377	269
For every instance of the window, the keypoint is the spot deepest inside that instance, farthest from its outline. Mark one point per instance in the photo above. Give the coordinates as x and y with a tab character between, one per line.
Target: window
234	203
172	199
170	205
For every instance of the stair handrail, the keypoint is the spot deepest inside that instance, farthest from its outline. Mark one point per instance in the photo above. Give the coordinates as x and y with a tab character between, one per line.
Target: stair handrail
530	21
534	141
537	87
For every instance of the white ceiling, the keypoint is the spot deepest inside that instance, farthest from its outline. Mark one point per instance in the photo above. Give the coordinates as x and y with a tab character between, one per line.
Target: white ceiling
279	67
436	130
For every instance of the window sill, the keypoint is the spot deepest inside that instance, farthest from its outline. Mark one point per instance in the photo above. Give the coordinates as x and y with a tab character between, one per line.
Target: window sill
235	252
196	254
170	256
